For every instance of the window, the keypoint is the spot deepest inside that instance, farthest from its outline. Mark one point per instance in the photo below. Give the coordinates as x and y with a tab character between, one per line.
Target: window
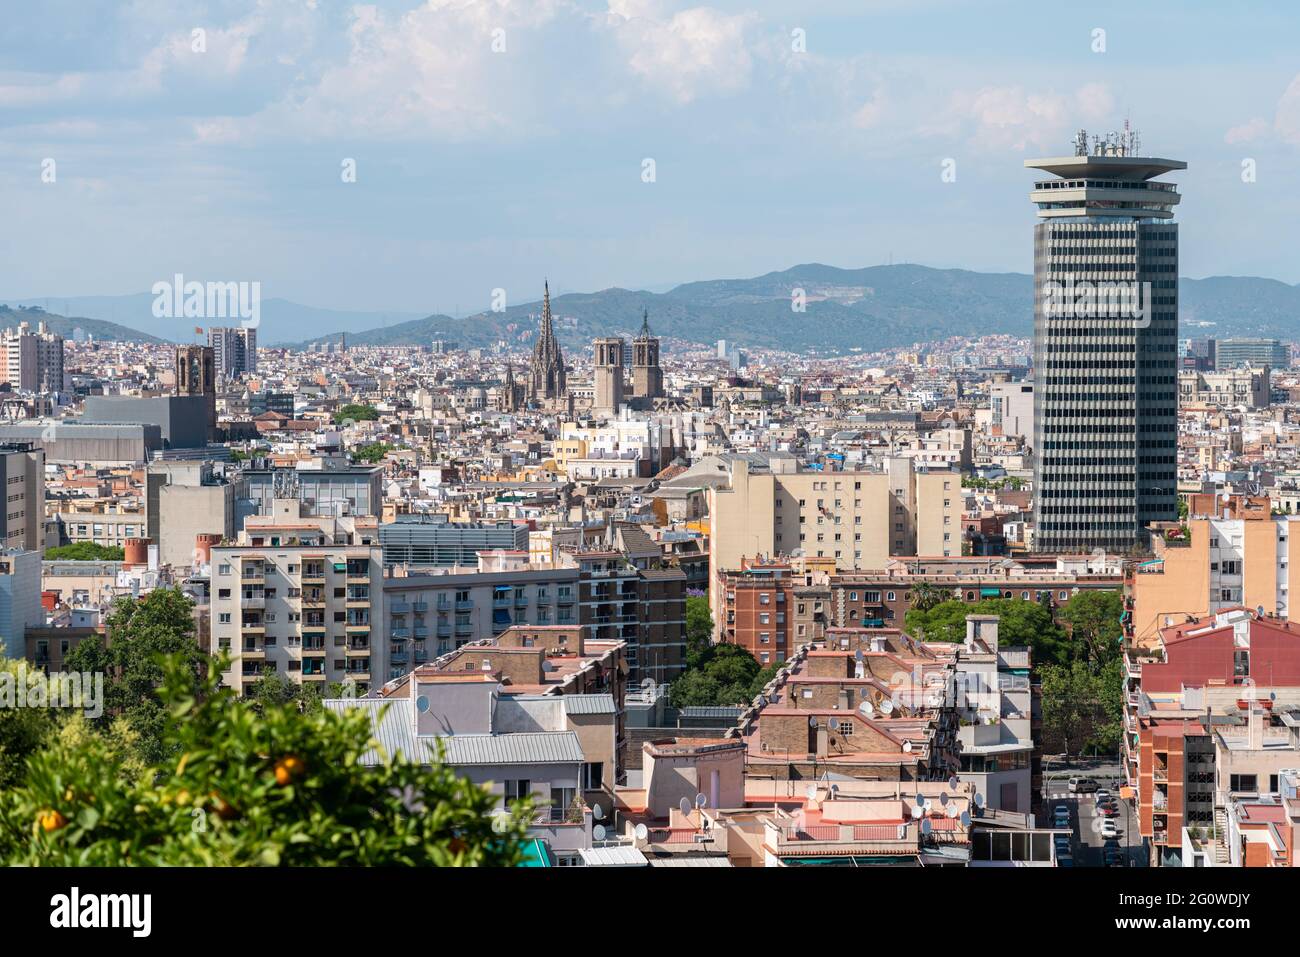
1242	783
517	789
593	776
223	568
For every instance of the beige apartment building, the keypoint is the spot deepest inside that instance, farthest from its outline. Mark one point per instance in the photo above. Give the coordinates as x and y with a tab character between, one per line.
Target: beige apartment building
1233	552
857	519
311	612
1247	386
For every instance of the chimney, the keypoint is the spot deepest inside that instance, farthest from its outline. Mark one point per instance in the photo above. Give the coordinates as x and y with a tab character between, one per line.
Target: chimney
1255	728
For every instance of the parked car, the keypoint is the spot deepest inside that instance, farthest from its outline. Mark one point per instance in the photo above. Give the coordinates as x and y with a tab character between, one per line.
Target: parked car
1081	785
1108	828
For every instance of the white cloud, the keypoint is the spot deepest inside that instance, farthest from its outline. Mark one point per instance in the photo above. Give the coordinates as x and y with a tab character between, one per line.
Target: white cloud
690	54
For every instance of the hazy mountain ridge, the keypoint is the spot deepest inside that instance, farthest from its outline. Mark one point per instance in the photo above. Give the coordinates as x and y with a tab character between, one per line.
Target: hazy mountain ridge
865	309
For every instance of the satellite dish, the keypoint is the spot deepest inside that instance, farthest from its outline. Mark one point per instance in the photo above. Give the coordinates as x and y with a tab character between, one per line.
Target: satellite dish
641	832
953	782
812	722
834	724
887	706
1259	610
907	747
597	812
422	704
685	805
965	818
598	832
867	709
955	812
943	799
926	827
701	800
857	655
920	799
979	799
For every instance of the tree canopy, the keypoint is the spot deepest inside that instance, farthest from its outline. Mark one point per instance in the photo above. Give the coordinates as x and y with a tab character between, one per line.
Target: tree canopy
86	552
243	785
1021	622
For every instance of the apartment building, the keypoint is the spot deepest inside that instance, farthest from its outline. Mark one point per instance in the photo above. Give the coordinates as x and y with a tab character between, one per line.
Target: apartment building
32	361
770	608
187	499
883	710
1246	387
20	599
859	519
1212	715
22	475
310	612
431	615
644	607
1231	551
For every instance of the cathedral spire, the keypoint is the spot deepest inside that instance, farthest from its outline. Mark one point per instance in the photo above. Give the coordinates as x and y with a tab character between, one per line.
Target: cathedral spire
645	323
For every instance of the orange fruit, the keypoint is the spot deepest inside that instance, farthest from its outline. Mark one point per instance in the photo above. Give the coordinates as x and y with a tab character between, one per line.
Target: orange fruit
51	820
288	768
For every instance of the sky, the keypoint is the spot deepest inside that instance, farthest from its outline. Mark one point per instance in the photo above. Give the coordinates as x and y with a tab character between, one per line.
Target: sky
632	143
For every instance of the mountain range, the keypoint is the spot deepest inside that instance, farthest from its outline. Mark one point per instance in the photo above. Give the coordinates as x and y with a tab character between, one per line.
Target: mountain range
846	310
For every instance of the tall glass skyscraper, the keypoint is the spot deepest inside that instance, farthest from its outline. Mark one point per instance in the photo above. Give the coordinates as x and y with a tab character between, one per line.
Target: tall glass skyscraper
1105	346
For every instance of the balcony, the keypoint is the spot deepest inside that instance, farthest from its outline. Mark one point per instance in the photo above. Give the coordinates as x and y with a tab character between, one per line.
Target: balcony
253	601
400	632
564	599
313	600
521	601
444	630
464	606
464	630
420	607
399	608
500	601
253	653
355	649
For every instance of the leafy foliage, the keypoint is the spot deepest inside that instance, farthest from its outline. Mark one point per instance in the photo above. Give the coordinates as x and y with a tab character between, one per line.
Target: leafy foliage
23	731
355	412
1021	622
140	632
1095	629
86	552
716	674
246	786
371	452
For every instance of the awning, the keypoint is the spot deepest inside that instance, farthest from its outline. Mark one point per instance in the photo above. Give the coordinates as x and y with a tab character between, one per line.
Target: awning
990	593
500	617
536	854
340	566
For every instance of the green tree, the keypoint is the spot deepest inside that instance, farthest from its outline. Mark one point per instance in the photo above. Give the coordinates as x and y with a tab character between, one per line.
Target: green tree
357	413
1021	622
86	552
925	596
699	630
1094	620
271	688
1069	699
724	674
140	632
241	787
23	731
371	452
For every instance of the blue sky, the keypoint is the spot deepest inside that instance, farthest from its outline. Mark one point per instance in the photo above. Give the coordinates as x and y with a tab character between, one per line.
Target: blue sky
478	169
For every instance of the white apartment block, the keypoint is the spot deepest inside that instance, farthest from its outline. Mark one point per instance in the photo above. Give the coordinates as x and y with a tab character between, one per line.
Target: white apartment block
311	612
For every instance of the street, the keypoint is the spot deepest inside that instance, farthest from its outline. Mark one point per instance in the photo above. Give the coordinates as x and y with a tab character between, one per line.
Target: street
1086	841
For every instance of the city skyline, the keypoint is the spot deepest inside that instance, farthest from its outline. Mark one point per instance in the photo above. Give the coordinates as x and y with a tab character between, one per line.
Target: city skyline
232	161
